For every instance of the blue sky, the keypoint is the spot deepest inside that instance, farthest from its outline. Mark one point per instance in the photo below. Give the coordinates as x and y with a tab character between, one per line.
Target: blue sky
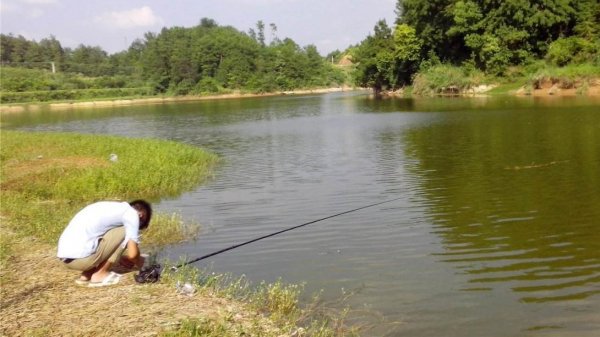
114	24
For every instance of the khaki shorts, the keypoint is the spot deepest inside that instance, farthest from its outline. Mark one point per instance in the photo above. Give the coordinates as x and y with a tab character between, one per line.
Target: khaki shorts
109	248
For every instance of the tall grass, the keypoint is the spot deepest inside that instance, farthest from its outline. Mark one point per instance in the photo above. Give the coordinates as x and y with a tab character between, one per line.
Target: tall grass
47	177
277	300
167	229
566	75
446	79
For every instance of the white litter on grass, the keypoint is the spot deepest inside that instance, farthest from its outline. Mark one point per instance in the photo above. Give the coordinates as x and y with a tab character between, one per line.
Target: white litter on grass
113	157
185	288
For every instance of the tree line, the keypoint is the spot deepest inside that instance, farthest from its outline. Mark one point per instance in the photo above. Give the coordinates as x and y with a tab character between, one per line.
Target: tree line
206	58
441	38
488	35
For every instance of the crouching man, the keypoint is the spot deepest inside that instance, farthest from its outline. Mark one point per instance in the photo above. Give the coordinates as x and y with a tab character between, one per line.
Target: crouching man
97	236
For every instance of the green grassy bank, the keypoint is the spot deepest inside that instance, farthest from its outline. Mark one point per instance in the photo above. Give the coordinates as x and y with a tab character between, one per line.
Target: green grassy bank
448	79
46	177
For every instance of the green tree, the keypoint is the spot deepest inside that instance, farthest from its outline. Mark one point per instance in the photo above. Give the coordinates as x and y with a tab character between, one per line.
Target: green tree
432	19
375	59
495	34
14	49
87	60
587	19
52	51
407	53
260	28
177	60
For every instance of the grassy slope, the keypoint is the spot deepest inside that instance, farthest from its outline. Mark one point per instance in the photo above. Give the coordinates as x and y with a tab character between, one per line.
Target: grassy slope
46	177
436	79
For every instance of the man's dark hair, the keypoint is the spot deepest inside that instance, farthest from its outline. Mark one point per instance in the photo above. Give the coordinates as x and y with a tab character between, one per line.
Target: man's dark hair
144	207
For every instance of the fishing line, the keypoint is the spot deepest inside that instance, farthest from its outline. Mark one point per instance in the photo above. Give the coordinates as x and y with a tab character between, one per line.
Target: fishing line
281	231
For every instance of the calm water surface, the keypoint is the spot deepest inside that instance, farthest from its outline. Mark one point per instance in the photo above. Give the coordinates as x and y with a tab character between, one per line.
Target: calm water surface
496	232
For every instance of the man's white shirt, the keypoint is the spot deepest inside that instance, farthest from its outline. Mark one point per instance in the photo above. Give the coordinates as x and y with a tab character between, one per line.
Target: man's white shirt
80	238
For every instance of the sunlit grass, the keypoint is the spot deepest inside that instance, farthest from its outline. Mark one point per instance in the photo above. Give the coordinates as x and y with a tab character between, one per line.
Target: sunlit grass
441	78
571	72
47	177
444	79
167	229
277	300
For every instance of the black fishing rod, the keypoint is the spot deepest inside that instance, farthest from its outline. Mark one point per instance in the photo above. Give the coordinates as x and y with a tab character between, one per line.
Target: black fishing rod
152	273
279	232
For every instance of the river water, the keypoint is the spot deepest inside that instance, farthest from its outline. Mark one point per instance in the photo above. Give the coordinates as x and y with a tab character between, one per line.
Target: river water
495	230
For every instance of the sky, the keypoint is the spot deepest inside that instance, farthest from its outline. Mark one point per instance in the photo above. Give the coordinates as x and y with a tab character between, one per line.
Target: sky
115	24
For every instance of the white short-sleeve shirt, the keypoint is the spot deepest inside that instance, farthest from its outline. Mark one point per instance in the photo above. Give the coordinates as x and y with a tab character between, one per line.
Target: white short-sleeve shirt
80	238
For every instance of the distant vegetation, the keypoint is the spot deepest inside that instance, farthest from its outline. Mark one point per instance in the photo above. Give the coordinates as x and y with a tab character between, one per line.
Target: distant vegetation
441	43
205	59
434	46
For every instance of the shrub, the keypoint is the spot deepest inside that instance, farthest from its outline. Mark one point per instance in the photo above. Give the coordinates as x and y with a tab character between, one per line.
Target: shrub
68	95
207	85
571	50
446	79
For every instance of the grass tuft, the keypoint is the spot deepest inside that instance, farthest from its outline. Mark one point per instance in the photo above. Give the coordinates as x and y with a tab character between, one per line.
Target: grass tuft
47	177
446	79
167	229
277	300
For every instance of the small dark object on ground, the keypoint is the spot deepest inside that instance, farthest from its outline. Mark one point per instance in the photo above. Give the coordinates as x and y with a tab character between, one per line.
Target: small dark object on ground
148	274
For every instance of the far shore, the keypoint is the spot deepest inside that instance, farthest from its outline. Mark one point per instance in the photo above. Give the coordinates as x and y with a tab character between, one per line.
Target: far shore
21	107
547	89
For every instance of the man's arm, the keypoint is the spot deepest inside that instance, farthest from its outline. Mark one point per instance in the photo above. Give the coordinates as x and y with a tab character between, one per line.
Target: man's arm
133	255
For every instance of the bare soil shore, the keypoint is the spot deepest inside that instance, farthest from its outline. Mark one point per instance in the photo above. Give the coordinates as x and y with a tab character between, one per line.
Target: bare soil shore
541	89
40	298
8	108
550	87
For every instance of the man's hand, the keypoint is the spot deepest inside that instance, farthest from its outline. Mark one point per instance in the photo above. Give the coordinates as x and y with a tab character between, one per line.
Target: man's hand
129	264
126	262
133	257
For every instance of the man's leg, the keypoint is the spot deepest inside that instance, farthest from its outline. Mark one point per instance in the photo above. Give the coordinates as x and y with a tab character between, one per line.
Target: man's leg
97	266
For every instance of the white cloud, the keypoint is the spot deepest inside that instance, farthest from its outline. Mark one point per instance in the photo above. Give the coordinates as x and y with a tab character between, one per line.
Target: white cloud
6	7
137	17
40	2
35	13
29	8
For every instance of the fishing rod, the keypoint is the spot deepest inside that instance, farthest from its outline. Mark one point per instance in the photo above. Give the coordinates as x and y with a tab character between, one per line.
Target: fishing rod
152	273
280	232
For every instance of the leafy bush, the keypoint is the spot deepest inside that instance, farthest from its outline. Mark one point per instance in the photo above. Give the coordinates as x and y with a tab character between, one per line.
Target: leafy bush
207	85
69	95
446	79
571	50
19	85
183	88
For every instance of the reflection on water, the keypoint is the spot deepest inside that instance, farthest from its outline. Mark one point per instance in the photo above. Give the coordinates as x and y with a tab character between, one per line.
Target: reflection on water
496	232
515	204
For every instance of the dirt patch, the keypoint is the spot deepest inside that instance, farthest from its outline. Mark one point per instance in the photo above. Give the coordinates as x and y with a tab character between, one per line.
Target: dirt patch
25	107
41	164
39	297
557	87
346	61
17	171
